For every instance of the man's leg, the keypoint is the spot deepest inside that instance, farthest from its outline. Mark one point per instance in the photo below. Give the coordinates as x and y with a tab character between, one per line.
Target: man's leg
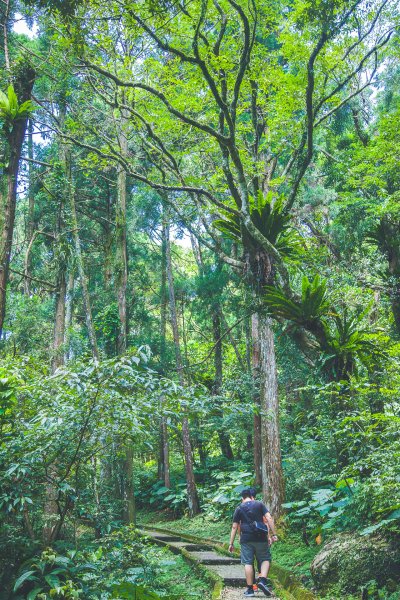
249	572
264	556
247	557
265	568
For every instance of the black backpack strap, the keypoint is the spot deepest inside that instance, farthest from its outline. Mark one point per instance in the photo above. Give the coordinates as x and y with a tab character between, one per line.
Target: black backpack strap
247	518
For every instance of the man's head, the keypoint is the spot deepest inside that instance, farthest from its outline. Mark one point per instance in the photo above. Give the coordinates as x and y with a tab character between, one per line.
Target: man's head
248	494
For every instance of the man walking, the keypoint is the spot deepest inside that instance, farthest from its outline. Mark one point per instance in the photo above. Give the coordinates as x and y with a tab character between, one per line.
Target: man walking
256	526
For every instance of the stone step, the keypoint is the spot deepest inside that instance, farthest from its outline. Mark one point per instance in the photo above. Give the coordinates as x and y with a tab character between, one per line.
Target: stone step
175	544
167	538
197	547
213	558
232	575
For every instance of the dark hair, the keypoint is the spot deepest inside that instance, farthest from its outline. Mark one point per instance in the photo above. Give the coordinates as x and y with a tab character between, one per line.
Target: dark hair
246	493
253	492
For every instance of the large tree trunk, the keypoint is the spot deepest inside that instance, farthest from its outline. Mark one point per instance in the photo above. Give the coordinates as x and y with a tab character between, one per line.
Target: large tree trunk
193	501
272	474
14	137
256	356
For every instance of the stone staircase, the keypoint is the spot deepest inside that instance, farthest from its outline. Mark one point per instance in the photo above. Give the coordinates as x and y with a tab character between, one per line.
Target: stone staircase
227	568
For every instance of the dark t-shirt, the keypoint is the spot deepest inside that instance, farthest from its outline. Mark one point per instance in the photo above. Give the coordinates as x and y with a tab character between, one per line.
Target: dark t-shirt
245	514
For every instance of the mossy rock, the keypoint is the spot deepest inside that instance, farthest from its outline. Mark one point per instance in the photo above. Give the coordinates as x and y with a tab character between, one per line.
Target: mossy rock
351	560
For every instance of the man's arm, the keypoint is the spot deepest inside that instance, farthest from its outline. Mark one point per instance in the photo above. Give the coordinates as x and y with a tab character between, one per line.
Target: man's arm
268	520
233	535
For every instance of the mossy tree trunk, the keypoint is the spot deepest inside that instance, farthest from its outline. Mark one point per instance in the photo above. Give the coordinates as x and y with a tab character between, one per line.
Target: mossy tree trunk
13	134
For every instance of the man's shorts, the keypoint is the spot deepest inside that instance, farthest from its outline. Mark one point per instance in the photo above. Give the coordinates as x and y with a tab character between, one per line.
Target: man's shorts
249	550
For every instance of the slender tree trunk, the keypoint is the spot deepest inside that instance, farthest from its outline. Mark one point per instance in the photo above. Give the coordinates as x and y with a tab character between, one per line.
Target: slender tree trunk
27	521
233	343
121	259
165	441
164	298
163	325
31	208
81	270
70	188
68	313
108	241
256	356
223	435
121	280
50	509
96	497
247	331
59	321
129	496
52	514
392	232
160	457
14	138
272	474
193	502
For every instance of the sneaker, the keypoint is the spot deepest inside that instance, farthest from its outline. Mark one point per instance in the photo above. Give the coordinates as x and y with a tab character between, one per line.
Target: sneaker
262	585
255	587
249	592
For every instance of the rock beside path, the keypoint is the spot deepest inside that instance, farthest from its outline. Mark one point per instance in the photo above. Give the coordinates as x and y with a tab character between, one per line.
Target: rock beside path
351	560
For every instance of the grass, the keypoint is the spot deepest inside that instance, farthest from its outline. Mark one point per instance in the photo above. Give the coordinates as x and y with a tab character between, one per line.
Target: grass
292	553
175	578
201	526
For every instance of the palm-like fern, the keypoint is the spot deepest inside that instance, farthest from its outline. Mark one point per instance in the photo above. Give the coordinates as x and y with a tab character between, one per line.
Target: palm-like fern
306	310
349	342
343	341
270	219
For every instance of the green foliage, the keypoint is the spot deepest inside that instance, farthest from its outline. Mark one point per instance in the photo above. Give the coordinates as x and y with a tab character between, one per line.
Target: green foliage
50	576
324	511
120	565
10	109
